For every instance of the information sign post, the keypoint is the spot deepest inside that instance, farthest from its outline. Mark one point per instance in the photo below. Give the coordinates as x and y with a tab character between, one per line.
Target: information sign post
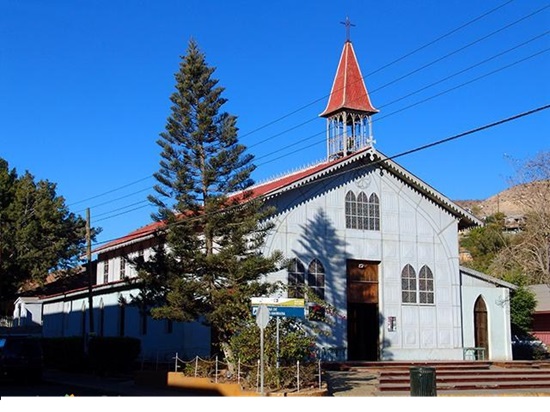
262	319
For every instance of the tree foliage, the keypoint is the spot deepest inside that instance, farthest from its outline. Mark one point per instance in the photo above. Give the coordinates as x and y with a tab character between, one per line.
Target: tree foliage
529	252
213	262
485	242
522	257
38	234
526	251
522	304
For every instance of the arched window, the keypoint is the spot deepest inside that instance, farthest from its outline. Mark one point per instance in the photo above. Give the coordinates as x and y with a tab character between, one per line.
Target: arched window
362	212
83	319
351	211
101	328
121	317
296	278
408	284
316	278
374	212
143	322
426	285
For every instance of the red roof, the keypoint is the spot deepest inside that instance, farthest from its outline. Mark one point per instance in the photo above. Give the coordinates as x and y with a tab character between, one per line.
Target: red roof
348	90
136	234
262	189
290	181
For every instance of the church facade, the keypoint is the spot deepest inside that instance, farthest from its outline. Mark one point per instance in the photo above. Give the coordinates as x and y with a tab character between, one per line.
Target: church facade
369	238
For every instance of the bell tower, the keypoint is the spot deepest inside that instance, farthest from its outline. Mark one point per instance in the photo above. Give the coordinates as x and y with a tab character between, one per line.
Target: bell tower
349	109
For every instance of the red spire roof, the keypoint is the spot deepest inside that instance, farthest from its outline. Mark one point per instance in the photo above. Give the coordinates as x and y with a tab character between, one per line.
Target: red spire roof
348	90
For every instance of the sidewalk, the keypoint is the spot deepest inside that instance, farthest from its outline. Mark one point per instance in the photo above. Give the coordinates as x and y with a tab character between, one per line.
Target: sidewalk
111	386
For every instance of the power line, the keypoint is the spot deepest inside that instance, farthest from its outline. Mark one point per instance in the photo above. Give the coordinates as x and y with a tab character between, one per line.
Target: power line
376	71
410	73
400	110
321	98
111	191
301	141
405	153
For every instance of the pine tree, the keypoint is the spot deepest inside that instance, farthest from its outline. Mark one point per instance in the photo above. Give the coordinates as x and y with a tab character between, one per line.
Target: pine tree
213	263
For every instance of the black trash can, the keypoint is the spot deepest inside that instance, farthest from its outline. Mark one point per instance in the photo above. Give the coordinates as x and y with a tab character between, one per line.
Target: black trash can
423	381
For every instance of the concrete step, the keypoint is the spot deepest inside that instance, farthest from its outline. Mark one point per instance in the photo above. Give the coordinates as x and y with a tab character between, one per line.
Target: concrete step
470	386
494	378
404	365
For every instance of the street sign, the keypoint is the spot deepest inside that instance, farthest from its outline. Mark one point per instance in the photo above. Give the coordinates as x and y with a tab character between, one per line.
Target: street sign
280	307
283	311
262	316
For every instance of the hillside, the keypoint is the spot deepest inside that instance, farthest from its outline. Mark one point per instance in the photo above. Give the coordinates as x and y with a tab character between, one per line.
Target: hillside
508	201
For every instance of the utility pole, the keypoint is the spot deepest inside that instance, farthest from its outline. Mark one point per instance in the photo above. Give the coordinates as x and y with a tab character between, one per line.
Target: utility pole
89	271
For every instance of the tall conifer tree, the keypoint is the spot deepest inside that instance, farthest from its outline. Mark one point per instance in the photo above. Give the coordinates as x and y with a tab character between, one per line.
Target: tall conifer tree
38	234
213	262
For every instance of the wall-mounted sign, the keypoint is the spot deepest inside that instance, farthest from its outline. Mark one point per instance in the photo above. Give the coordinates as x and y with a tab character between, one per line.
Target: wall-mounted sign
392	323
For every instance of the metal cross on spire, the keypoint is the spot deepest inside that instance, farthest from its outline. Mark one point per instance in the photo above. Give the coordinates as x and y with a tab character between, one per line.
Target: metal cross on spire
348	24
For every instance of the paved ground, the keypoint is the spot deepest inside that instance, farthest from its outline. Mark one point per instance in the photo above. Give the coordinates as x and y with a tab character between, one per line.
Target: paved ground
339	384
352	383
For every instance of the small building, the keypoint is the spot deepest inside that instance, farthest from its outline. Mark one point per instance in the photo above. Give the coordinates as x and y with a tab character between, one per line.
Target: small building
541	316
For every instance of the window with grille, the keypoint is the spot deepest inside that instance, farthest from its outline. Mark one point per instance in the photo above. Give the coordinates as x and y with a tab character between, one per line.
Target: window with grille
417	290
373	212
122	267
408	284
351	211
425	285
316	278
296	278
362	212
106	271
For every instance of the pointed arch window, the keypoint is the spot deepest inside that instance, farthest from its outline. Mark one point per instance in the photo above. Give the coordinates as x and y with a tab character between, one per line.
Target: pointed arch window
417	289
101	328
362	211
296	279
373	212
121	318
316	278
426	285
83	319
143	322
408	284
351	210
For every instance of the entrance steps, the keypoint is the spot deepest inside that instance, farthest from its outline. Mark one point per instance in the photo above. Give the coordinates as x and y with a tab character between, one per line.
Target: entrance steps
455	378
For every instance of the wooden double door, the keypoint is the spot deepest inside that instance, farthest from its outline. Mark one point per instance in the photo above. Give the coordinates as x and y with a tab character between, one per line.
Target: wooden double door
363	322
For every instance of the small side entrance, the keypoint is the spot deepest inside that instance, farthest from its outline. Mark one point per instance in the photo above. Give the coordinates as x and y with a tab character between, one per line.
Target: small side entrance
480	326
363	317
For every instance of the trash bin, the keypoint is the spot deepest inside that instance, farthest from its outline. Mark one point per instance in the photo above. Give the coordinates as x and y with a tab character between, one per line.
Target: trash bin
423	381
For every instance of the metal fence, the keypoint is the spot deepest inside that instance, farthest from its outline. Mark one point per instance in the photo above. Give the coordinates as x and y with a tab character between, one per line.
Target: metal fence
296	377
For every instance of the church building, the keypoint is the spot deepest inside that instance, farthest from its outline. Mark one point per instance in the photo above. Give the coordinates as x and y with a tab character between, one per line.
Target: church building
372	240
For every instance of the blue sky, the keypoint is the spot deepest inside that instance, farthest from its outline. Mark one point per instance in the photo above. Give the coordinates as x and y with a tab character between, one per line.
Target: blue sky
85	86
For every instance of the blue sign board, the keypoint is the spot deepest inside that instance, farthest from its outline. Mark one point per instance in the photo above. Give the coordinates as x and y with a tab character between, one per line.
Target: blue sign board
283	311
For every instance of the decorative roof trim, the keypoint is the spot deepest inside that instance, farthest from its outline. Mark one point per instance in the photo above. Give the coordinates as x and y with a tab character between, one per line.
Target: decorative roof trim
299	178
